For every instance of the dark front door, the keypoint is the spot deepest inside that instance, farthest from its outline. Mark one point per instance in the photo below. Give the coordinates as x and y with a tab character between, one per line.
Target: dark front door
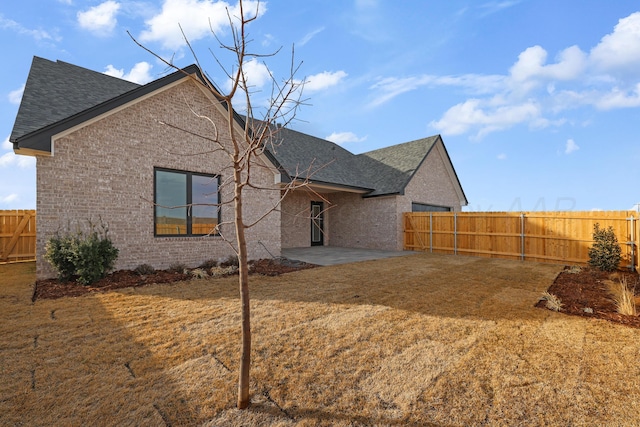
317	223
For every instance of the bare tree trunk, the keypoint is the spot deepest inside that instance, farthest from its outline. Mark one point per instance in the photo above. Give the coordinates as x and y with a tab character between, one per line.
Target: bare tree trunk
244	150
243	274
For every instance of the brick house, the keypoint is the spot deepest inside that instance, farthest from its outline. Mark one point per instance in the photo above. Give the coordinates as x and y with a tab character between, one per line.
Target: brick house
102	151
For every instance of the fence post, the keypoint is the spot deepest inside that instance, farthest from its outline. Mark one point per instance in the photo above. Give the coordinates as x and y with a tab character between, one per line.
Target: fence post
632	242
430	231
455	233
522	236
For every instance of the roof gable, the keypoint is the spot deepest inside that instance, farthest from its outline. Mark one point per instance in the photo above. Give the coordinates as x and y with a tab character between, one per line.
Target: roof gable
390	169
57	90
43	127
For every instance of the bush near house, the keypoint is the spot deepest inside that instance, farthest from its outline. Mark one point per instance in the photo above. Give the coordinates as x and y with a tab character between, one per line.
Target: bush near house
88	255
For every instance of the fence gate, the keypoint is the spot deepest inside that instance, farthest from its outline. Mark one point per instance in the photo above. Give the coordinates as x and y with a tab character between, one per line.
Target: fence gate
17	235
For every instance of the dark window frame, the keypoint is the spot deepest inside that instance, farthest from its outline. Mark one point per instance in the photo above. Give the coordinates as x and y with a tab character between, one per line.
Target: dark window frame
426	206
189	194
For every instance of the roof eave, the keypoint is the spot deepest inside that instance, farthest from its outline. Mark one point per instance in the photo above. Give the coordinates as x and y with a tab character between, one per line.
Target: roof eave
396	193
324	185
463	202
23	151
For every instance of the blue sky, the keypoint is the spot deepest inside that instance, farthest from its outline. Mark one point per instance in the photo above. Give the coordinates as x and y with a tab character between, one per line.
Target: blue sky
537	101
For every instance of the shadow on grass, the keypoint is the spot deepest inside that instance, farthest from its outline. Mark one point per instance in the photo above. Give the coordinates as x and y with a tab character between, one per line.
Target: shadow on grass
322	417
72	362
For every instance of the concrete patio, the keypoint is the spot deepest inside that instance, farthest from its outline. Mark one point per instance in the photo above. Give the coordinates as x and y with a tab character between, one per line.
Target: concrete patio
332	255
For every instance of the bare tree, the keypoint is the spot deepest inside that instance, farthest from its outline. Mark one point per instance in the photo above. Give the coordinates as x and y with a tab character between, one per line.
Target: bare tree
244	149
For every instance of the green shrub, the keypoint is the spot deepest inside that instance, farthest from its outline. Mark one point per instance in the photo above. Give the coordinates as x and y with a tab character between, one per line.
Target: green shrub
605	252
88	255
59	252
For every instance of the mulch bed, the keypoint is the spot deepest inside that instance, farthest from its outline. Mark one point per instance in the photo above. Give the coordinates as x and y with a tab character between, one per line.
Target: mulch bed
54	288
586	289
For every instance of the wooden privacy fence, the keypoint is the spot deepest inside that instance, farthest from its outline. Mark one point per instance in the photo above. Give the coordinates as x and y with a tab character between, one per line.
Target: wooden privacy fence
556	237
17	235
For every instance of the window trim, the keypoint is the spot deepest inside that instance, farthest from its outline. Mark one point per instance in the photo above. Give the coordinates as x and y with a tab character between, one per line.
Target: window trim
189	193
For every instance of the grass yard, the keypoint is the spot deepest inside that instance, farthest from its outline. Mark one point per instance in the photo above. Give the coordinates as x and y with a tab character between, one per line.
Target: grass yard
419	340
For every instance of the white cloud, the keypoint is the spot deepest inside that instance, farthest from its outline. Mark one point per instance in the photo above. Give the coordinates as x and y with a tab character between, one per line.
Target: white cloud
532	65
344	137
197	18
481	117
38	35
570	146
100	20
23	162
620	50
534	91
388	88
15	96
26	162
268	39
10	159
257	74
6	159
310	35
502	156
619	98
323	80
138	74
8	199
602	99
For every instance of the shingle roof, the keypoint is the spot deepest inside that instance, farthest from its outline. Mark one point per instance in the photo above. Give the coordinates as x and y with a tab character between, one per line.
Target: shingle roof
57	90
59	95
304	156
390	169
384	171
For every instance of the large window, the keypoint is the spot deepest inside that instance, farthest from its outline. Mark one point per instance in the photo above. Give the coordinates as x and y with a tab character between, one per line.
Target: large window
186	203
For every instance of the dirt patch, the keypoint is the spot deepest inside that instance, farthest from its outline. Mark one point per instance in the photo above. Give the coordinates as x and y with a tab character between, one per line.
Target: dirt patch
54	288
584	292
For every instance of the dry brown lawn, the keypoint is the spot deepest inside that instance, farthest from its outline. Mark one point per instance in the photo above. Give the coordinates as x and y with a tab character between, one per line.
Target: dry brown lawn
419	340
